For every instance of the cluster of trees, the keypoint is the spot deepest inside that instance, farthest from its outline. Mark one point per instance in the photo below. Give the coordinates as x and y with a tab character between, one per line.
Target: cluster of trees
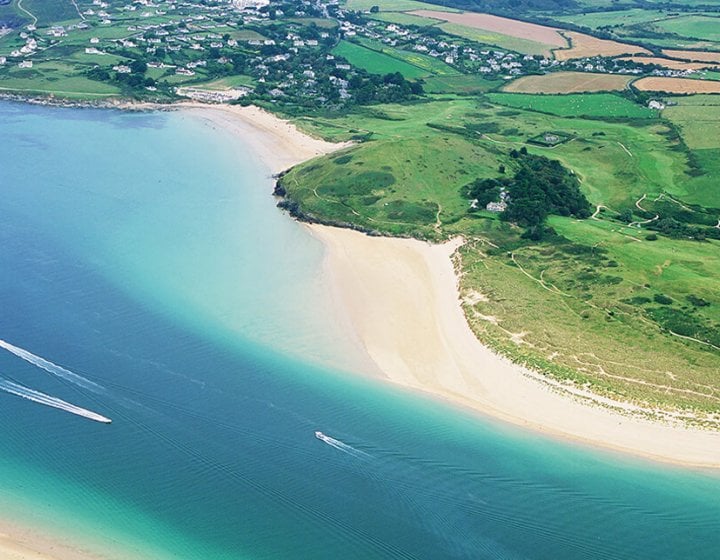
136	79
679	230
511	7
539	187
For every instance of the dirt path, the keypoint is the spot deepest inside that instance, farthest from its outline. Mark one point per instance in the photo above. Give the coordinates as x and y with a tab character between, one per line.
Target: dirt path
77	9
638	201
20	7
642	223
626	150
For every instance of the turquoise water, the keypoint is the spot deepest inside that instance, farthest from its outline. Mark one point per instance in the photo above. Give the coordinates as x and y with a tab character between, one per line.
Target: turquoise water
143	253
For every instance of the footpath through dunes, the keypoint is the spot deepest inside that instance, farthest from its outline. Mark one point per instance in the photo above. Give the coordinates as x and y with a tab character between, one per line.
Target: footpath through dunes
695	56
677	85
431	348
568	82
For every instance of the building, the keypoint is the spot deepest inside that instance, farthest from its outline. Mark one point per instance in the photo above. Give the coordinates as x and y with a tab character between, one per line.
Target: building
496	206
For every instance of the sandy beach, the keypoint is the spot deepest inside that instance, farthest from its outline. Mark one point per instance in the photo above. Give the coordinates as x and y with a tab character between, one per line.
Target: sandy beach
19	542
401	297
277	143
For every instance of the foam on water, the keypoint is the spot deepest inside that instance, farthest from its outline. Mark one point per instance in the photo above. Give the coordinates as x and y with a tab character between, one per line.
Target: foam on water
52	368
341	446
48	400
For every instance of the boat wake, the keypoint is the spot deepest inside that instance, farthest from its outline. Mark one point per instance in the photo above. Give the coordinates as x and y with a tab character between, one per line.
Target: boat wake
47	400
52	368
339	445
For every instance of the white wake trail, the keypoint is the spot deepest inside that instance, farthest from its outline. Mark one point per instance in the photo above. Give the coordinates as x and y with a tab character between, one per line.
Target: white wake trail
47	400
341	446
52	368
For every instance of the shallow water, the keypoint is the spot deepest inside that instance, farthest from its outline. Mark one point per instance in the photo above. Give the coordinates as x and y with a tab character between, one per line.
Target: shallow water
143	253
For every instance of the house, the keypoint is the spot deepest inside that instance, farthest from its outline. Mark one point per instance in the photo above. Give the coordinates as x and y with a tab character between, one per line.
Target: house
654	104
496	206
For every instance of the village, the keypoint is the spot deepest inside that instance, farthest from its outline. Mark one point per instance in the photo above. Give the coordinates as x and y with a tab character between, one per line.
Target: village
279	52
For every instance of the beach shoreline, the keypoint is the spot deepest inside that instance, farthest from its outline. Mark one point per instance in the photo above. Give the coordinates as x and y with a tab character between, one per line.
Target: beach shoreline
401	298
378	281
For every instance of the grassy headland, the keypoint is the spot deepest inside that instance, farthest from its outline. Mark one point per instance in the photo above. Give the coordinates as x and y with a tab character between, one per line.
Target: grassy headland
622	302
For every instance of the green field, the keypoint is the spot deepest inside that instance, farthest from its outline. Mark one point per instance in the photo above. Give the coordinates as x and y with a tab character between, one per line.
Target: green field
394	5
428	63
600	105
702	28
594	20
228	82
49	13
663	27
461	83
597	303
404	19
376	62
54	78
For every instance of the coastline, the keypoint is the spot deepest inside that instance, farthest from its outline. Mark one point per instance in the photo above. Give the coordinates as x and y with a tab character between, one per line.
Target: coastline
402	296
378	282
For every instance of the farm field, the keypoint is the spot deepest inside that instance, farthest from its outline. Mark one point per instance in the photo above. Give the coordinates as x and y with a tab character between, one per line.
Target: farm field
504	26
598	105
527	38
671	64
568	82
700	56
703	28
595	20
428	63
394	5
508	42
402	18
51	12
584	306
586	45
677	85
376	62
460	83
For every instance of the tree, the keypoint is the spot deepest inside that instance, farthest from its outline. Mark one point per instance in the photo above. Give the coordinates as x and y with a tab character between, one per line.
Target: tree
374	9
138	66
626	216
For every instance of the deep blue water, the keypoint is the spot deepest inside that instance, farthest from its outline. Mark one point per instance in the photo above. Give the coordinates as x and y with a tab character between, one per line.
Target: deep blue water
143	252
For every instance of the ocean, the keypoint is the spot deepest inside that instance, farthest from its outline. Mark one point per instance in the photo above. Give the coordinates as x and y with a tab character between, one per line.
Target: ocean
147	277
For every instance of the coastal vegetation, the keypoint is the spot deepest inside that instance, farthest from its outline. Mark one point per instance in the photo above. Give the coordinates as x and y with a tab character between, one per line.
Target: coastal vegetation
584	186
620	302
